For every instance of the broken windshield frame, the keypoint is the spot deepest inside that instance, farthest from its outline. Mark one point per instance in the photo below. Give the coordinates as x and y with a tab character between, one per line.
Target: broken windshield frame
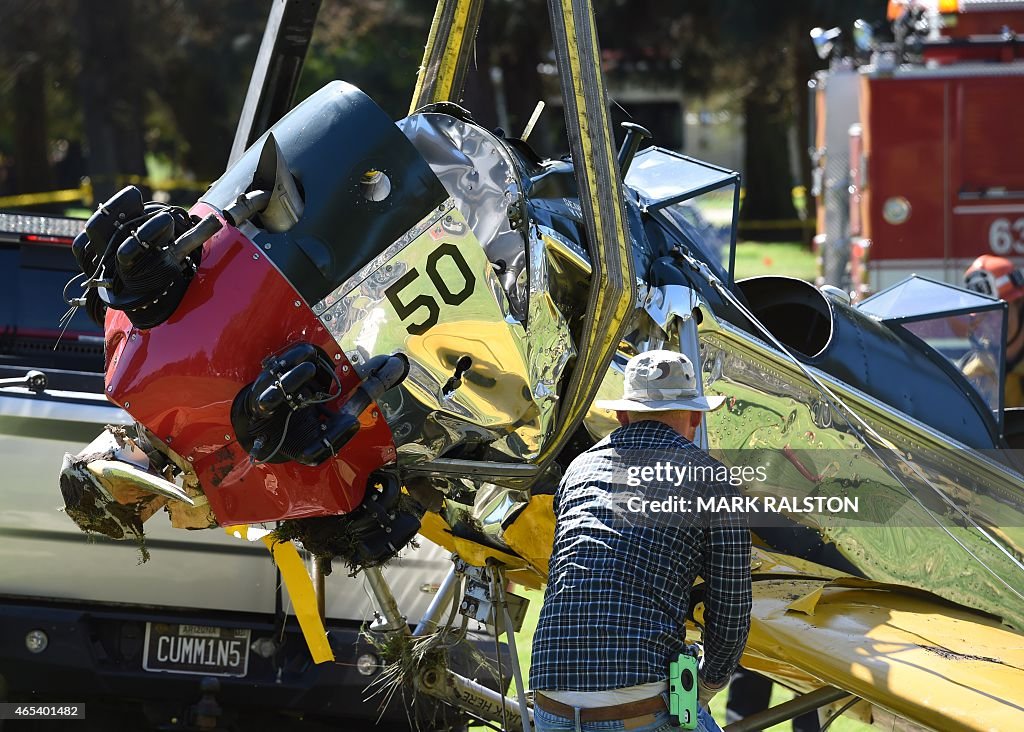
664	178
967	328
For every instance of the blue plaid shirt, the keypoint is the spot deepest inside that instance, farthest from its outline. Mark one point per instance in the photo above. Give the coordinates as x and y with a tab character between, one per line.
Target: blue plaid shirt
618	588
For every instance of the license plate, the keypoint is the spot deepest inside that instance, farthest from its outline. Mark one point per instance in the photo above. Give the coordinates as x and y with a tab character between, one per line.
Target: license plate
196	649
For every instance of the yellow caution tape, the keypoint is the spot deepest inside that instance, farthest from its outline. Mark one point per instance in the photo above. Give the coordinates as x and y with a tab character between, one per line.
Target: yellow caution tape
778	224
166	184
84	193
68	195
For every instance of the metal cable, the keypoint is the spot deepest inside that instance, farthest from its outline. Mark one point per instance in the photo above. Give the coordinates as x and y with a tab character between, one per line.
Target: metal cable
835	402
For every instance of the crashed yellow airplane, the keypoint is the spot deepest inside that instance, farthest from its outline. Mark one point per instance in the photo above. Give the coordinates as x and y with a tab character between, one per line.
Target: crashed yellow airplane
368	329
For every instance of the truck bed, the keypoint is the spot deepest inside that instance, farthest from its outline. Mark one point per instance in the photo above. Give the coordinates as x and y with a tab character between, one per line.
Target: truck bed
92	597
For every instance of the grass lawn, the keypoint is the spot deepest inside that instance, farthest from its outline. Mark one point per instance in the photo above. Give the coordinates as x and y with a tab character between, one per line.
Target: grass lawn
791	259
524	639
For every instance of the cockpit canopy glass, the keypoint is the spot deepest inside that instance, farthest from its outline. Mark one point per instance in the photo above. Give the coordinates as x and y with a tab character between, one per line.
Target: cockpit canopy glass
964	326
663	177
698	198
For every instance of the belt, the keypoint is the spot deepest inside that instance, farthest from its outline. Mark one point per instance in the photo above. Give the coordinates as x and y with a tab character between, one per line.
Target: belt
602	714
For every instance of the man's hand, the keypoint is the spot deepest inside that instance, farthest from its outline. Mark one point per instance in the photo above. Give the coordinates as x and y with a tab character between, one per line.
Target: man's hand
706	691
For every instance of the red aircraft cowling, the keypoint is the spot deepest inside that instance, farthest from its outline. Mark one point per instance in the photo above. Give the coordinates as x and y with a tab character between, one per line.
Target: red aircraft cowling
180	378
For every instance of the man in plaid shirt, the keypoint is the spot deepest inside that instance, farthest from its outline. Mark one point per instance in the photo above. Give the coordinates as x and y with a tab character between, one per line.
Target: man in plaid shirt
619	582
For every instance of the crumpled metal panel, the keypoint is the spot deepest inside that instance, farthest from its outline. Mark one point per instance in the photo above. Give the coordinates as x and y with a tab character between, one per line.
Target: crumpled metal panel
495	306
907	530
550	342
436	314
477	171
611	243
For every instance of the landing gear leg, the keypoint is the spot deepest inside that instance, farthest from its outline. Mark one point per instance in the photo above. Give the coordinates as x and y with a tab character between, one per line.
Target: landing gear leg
446	685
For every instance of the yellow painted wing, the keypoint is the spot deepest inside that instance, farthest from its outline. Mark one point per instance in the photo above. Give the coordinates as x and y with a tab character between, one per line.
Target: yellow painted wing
911	653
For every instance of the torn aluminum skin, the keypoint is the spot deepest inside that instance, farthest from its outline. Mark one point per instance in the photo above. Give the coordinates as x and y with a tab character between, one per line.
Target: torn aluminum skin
934	514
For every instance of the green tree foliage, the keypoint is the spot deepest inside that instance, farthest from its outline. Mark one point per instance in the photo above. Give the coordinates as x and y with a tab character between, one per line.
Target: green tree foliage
766	58
32	73
206	52
375	44
120	80
126	81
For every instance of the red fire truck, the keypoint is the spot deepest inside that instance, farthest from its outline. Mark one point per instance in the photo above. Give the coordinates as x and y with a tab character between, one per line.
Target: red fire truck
919	144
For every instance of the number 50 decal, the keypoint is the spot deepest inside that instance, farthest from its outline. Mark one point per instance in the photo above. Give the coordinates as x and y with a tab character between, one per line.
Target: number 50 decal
1001	239
406	310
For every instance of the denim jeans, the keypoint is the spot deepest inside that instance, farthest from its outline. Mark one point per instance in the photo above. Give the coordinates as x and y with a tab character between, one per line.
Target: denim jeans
547	722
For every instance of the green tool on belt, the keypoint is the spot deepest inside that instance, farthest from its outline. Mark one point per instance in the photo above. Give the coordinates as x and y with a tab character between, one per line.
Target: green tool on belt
682	690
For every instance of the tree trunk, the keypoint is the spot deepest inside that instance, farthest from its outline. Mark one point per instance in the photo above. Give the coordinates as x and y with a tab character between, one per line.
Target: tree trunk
523	88
767	178
478	93
23	36
112	95
805	63
31	159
